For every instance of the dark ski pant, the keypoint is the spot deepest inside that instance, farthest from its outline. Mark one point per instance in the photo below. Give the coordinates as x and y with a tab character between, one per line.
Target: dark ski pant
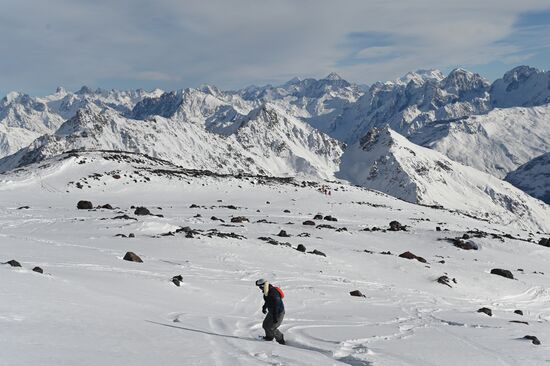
271	324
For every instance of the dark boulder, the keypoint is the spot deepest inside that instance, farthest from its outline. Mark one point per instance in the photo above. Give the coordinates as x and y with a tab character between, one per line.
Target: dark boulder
325	226
437	228
38	270
309	222
317	252
502	272
519	312
396	226
142	211
131	235
269	240
84	205
283	234
486	311
444	280
356	293
286	211
330	218
132	257
124	217
301	248
13	263
519	322
318	217
106	206
409	255
544	242
23	208
466	245
534	339
239	219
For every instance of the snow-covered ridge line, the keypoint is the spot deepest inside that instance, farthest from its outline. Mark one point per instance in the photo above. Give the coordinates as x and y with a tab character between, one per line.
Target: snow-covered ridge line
269	143
387	161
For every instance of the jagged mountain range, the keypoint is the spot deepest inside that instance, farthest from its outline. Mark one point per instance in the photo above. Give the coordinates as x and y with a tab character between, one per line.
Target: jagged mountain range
267	142
302	128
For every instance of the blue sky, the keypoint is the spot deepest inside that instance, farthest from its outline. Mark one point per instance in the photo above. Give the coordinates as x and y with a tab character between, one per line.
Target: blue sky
173	44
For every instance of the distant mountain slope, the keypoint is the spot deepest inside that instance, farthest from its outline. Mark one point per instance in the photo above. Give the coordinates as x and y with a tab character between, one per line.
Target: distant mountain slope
522	86
24	118
412	102
388	162
318	102
496	143
533	177
267	142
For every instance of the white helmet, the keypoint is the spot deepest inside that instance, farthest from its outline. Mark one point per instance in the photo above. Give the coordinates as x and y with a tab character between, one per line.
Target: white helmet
260	282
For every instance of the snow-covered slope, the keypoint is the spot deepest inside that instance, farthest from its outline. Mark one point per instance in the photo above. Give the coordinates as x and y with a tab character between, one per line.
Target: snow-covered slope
496	143
387	161
90	307
521	86
533	177
281	143
268	142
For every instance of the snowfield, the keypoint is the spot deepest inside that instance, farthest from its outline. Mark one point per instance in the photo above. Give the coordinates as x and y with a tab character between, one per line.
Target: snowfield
90	307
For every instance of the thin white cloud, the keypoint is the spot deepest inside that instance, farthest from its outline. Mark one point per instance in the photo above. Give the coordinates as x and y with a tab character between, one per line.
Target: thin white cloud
238	42
376	52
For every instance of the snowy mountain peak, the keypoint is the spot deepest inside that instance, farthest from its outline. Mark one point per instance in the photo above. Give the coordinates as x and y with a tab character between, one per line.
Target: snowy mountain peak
372	138
266	112
463	82
60	90
84	90
209	89
294	80
421	76
333	77
522	86
13	97
520	73
88	118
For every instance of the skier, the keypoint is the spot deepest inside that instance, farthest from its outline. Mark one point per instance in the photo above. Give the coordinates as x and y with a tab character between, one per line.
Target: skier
275	309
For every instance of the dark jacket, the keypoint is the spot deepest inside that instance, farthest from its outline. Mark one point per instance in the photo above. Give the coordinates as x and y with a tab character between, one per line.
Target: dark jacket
273	302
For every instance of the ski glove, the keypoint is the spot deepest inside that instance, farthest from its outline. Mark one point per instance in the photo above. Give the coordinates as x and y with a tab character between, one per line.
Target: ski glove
264	309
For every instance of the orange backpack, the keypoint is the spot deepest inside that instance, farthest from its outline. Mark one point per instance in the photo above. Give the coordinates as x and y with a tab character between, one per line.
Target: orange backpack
280	292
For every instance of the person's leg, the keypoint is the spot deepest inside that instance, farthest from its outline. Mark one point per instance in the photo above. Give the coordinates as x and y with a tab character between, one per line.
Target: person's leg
268	327
276	332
